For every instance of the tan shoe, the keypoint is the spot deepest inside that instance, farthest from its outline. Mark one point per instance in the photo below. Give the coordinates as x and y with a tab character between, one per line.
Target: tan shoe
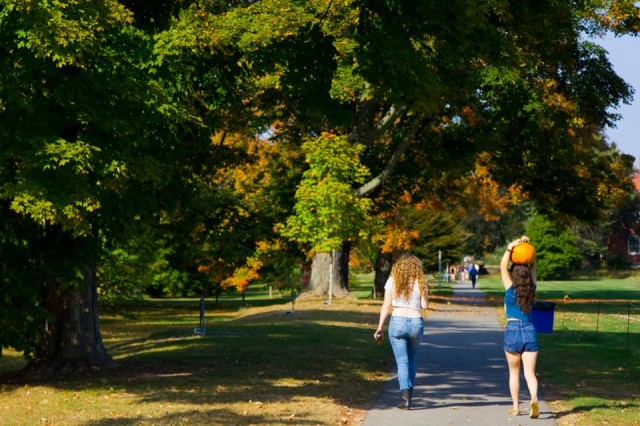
513	412
535	412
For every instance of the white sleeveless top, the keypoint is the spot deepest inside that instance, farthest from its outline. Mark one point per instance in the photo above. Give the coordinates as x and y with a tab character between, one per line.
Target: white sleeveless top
397	302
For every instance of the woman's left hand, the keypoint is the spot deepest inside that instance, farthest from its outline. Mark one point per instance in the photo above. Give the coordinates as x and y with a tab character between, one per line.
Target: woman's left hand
523	239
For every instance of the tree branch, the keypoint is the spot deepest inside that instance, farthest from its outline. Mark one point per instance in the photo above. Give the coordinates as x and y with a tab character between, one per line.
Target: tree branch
384	124
400	150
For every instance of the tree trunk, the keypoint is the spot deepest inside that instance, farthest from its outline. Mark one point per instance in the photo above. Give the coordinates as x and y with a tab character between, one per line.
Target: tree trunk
383	270
71	339
343	264
325	268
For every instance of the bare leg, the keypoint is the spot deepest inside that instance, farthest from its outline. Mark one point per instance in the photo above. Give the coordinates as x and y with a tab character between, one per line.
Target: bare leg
529	360
513	361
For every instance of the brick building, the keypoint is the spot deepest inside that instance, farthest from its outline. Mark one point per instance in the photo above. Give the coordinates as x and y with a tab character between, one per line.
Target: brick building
624	238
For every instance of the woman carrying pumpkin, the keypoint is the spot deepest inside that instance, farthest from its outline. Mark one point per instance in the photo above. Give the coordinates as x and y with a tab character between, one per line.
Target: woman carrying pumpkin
520	339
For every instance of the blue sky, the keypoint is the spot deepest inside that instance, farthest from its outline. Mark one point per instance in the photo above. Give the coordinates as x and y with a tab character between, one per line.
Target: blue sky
624	55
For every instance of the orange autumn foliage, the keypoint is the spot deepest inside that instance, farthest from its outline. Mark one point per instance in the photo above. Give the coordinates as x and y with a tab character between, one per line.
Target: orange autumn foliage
397	237
487	196
243	276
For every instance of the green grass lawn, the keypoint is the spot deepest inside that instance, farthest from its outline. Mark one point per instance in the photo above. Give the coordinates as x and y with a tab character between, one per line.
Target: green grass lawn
599	288
268	361
261	361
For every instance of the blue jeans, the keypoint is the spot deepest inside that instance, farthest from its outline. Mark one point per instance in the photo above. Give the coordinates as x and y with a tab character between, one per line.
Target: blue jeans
405	335
520	336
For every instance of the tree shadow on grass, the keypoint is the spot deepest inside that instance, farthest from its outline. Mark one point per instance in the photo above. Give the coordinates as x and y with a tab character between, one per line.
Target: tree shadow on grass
321	354
201	417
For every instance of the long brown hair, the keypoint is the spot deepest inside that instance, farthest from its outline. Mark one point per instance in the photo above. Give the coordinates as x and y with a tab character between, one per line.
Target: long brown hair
523	286
405	272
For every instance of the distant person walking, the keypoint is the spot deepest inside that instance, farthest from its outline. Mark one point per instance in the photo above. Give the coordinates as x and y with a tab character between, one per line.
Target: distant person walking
473	275
520	339
407	293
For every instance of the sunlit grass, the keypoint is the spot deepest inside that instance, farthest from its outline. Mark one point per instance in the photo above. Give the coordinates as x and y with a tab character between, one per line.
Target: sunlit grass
11	360
262	365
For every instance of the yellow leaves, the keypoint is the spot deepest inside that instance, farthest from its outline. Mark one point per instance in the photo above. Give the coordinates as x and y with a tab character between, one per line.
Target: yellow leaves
619	15
553	98
73	215
263	246
76	154
558	100
68	32
42	211
616	196
268	81
578	126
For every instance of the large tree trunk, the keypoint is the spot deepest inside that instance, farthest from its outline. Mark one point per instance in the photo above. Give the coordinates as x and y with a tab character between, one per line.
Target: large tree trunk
71	339
383	270
343	264
326	268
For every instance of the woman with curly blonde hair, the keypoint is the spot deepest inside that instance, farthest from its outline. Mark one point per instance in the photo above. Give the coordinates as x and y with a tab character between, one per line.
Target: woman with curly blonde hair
520	338
407	293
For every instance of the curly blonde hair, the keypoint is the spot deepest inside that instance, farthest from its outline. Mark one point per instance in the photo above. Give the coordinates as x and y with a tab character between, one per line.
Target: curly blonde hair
405	272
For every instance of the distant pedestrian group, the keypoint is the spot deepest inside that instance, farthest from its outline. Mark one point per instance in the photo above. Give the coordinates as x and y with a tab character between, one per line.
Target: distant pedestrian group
462	273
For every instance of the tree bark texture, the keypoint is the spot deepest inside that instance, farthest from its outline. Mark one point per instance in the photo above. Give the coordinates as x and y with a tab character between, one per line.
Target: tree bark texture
322	268
71	339
383	270
343	264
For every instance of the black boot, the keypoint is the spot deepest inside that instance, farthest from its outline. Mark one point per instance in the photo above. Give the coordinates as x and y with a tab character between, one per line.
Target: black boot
405	399
410	396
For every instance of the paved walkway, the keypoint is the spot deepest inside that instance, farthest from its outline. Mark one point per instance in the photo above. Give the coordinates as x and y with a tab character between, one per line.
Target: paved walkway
462	373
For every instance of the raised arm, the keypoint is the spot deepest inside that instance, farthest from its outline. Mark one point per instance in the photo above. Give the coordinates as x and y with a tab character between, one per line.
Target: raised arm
532	270
506	257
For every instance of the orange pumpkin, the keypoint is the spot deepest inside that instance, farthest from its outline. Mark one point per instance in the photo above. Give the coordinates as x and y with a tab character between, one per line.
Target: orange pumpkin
523	254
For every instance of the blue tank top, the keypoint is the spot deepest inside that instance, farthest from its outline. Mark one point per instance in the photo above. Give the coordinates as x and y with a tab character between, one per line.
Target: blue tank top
512	310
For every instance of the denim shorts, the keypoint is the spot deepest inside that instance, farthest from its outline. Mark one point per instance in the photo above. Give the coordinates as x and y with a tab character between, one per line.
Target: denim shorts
520	336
